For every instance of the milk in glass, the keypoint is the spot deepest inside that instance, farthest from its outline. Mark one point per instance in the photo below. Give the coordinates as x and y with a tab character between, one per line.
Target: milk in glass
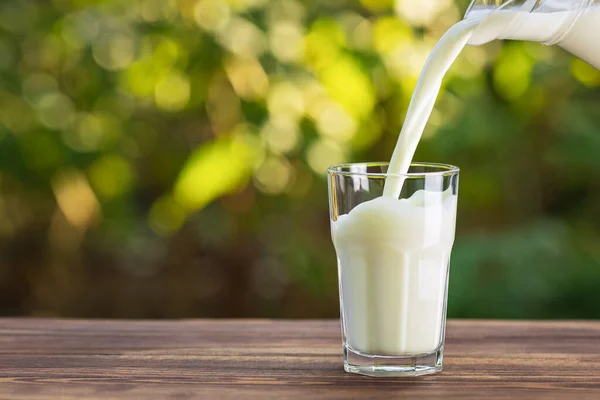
393	254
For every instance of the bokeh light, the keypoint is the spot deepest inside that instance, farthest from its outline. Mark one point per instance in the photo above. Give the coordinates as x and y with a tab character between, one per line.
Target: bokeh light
111	176
273	175
172	92
324	153
114	51
242	37
287	41
212	15
92	132
247	77
422	13
281	133
285	98
75	198
55	111
585	73
183	145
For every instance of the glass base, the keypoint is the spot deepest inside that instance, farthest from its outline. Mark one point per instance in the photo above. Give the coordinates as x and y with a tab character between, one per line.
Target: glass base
390	366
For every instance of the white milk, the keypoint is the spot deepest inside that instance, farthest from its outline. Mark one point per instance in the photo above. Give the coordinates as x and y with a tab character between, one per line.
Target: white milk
423	99
393	254
482	26
393	257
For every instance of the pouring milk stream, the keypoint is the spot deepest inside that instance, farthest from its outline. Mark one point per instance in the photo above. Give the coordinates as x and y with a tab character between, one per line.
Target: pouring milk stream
572	24
386	246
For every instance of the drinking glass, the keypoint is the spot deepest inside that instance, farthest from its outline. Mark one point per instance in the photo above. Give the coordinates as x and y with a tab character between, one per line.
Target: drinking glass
393	258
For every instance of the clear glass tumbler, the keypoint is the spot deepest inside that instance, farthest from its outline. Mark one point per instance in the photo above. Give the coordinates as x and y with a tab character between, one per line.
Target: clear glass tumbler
393	263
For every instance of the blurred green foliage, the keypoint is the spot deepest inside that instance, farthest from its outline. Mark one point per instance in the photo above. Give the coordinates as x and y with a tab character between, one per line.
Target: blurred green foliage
166	158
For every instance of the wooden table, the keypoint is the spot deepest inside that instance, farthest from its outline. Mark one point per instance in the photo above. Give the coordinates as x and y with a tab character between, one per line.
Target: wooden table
241	359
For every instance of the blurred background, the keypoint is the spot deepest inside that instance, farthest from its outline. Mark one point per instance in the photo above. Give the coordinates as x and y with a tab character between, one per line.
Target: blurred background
166	158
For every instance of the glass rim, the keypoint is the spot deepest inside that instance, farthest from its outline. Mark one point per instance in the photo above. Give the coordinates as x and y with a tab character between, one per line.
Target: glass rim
443	169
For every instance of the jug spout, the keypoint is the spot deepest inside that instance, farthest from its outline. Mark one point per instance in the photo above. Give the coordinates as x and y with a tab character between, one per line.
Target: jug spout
571	24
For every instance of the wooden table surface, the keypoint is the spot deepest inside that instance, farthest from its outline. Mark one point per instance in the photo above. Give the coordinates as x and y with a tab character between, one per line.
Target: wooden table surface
257	359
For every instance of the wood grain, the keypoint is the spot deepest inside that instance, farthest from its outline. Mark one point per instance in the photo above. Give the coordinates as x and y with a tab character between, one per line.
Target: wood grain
257	359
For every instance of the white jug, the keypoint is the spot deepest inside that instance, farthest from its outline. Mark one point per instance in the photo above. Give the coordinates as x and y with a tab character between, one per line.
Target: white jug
573	25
